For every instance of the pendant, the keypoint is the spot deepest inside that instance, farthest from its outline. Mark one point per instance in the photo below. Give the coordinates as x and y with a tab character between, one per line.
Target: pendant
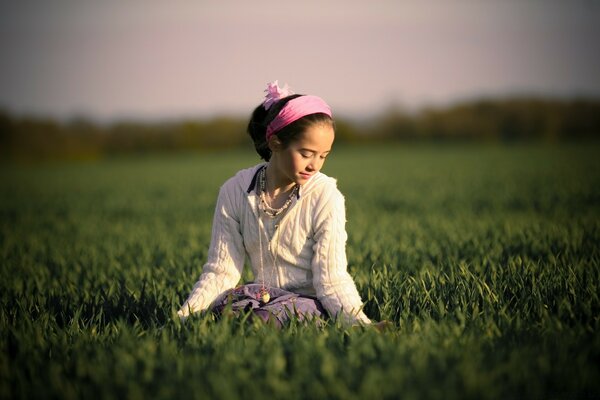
264	296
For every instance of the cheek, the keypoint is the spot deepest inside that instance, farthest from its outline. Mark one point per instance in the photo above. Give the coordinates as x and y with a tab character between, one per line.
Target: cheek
296	162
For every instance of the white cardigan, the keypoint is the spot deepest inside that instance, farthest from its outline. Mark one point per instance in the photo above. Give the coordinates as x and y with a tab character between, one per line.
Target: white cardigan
309	245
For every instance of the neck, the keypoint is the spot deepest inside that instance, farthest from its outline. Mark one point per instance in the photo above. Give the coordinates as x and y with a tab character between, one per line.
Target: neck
276	183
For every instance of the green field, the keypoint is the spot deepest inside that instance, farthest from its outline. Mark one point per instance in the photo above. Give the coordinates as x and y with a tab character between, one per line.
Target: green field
485	259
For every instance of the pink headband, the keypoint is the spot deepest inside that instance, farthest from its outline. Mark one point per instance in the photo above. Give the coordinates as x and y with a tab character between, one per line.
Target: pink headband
293	110
296	109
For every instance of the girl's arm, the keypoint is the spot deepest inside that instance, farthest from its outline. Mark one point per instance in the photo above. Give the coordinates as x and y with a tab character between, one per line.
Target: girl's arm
225	263
334	285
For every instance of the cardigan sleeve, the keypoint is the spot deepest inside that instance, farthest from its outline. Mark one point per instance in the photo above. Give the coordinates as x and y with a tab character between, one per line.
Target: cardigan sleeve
334	285
223	268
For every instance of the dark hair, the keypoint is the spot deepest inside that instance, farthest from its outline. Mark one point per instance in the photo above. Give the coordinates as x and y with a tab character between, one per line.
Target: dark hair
261	118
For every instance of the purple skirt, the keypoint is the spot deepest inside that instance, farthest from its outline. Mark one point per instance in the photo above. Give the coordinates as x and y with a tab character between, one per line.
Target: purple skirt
282	306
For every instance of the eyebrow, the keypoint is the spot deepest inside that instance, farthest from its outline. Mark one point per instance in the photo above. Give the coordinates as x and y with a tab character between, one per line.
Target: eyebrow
314	151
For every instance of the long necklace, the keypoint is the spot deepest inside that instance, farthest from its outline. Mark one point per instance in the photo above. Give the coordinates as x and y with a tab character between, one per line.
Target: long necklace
273	212
263	294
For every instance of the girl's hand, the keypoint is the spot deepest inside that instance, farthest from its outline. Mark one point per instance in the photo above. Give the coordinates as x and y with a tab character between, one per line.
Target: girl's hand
182	316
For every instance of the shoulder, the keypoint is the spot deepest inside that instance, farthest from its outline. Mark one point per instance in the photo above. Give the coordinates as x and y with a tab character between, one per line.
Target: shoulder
323	195
234	190
240	182
321	187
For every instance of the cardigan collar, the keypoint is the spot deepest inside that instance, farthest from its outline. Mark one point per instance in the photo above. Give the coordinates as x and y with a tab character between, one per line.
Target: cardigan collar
247	180
254	181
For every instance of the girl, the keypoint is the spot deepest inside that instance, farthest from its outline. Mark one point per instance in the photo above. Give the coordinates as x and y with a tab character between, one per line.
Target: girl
287	217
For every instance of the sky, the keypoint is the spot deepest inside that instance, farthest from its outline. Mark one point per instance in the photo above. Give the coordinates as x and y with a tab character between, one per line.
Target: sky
157	59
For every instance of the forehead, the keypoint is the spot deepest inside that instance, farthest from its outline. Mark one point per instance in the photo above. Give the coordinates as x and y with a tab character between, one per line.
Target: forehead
316	137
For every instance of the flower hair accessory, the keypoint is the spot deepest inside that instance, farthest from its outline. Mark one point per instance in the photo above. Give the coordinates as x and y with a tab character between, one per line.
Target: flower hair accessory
275	93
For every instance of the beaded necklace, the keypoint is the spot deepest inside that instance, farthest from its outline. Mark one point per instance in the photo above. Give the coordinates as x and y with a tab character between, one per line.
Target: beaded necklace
273	212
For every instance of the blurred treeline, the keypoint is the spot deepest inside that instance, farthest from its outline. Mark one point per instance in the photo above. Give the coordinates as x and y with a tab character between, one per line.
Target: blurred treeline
493	120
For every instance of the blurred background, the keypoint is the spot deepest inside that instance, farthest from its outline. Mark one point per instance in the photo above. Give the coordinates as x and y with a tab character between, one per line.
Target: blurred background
82	80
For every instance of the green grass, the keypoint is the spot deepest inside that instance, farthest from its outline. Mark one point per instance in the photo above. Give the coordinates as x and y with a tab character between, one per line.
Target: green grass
485	258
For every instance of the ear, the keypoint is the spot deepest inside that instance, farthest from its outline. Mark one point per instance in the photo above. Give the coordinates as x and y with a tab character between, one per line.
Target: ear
275	144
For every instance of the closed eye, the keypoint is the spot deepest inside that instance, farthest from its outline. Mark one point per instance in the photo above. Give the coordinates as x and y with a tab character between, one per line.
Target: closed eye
305	153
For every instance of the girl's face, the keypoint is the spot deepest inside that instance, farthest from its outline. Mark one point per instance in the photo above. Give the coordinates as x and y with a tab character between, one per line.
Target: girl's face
303	157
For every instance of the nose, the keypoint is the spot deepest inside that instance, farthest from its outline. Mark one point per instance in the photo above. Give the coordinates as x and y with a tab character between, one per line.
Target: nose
315	165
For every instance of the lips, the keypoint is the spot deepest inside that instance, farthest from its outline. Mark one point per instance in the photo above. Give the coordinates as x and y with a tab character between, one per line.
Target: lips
304	175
